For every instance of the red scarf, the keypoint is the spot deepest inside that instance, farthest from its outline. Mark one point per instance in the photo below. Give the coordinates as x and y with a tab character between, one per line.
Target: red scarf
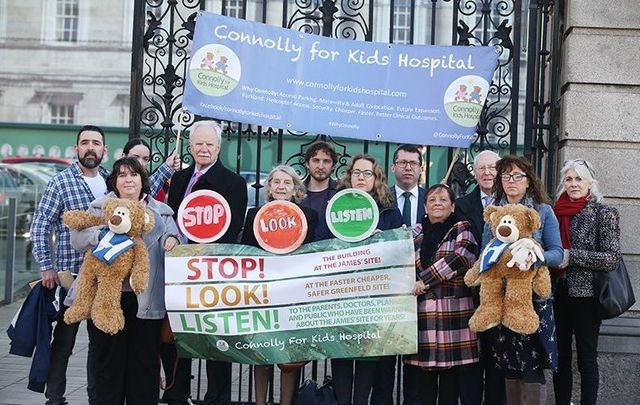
565	209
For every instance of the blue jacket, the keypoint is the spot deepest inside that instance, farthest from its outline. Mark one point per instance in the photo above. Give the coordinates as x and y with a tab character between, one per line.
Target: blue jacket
31	329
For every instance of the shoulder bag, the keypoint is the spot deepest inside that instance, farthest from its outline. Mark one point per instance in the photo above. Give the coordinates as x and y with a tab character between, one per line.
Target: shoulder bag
613	291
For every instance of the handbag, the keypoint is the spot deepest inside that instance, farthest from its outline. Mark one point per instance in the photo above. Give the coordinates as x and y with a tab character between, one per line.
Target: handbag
310	394
614	291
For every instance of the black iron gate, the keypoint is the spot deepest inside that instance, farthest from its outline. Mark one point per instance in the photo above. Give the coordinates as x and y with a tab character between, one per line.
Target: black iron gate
519	116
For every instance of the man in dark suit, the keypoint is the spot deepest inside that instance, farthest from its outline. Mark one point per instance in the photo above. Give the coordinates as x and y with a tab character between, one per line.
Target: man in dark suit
207	173
406	167
471	208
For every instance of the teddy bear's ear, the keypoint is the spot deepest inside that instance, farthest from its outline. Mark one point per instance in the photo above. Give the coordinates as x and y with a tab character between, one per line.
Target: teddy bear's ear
534	218
489	213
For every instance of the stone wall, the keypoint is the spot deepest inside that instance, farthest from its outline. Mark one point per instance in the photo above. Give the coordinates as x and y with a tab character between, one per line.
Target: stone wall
600	112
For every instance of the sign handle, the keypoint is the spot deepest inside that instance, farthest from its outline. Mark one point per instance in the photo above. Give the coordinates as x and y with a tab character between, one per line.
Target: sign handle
180	118
453	162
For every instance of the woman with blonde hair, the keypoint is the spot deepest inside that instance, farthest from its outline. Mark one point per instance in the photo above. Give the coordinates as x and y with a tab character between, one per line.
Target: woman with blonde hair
282	183
590	234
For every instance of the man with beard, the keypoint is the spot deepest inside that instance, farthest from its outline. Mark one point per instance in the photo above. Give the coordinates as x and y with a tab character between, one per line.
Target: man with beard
72	189
319	160
206	173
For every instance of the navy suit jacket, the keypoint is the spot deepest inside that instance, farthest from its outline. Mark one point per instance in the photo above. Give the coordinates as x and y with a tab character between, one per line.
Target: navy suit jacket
469	207
421	193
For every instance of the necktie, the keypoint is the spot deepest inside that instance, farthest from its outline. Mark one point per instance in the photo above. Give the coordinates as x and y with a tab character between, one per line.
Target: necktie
192	182
406	209
486	201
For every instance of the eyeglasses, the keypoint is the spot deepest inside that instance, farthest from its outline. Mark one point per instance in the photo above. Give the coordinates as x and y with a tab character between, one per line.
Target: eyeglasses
367	174
517	177
403	163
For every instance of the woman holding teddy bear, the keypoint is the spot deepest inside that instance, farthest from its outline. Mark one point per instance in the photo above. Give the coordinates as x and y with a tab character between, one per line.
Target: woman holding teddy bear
126	364
524	357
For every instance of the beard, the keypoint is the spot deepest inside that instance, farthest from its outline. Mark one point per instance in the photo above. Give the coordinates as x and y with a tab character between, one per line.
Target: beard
90	160
320	176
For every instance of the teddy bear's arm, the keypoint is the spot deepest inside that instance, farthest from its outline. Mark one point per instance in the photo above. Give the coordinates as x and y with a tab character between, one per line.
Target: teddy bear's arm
542	282
140	268
79	220
472	278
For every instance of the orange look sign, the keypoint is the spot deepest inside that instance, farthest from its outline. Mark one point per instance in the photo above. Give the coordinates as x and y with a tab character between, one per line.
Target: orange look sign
280	227
204	216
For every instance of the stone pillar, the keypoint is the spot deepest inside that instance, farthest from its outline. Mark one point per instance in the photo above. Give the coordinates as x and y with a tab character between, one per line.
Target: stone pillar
600	122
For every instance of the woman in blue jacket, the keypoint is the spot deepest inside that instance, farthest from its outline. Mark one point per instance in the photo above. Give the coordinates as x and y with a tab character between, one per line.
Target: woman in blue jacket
364	173
524	357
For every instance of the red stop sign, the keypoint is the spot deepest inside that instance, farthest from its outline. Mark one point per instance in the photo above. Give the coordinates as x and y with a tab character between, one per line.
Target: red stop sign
204	216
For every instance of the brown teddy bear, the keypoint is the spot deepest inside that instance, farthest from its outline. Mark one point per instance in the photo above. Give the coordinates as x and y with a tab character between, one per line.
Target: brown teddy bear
505	273
120	253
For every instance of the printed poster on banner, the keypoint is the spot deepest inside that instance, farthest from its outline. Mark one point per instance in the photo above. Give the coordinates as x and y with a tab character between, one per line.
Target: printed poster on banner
280	227
328	299
204	216
419	94
352	215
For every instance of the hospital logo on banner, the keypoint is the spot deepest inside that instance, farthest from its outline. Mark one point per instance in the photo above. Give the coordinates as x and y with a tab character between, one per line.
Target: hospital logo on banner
464	99
352	215
280	227
215	70
204	216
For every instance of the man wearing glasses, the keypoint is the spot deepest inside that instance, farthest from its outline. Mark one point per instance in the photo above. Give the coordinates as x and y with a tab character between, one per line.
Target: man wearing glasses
406	167
471	208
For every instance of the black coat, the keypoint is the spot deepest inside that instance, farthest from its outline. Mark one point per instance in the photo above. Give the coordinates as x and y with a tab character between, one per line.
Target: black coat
469	207
249	238
221	180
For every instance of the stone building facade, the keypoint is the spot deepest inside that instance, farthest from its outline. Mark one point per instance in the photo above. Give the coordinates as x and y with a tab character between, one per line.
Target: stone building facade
600	99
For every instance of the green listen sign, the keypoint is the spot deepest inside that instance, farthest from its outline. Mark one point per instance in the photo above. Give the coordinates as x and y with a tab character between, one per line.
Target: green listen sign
352	215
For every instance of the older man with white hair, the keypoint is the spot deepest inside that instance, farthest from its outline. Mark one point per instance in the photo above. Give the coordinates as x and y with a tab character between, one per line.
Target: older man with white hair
206	173
483	377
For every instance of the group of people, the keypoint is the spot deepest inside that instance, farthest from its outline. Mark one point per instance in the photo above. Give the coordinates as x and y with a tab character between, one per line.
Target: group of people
579	236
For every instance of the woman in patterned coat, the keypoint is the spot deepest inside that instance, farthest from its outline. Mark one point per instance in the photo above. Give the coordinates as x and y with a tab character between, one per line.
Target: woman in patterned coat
590	234
445	249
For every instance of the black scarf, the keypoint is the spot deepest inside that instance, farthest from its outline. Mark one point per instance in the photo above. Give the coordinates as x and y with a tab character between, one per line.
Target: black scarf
433	234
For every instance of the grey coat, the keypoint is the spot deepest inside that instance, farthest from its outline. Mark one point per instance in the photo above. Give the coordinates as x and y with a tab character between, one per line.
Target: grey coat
595	246
151	301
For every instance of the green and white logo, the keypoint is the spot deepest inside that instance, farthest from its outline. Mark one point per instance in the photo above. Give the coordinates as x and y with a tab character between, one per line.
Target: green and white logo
464	99
215	70
352	215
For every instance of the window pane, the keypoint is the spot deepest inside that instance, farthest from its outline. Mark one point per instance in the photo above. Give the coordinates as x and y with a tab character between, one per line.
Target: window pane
67	14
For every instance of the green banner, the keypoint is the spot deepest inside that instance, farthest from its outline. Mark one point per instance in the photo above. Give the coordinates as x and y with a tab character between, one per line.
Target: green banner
328	299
